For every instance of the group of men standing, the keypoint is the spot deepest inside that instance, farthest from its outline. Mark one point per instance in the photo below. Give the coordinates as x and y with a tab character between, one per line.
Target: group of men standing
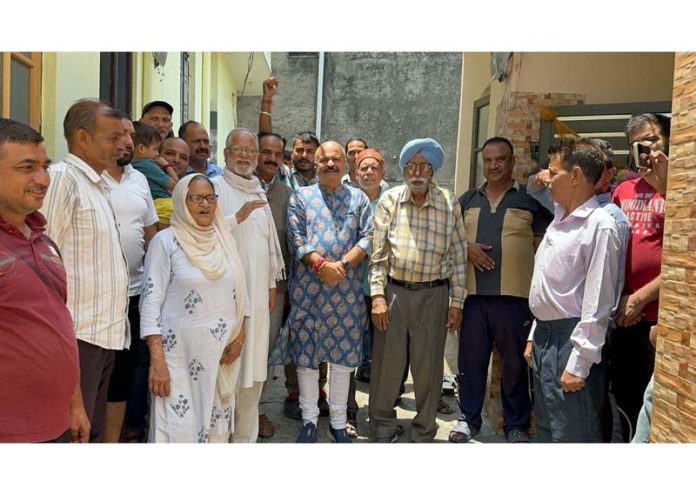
342	273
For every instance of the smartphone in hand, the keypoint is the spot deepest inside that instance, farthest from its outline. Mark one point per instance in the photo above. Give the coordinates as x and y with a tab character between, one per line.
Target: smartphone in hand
638	149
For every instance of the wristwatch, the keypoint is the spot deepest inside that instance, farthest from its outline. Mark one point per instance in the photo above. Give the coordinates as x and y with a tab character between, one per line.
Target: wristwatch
345	264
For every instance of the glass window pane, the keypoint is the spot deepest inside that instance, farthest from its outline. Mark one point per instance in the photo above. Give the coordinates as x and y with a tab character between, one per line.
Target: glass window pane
19	92
482	130
479	169
105	73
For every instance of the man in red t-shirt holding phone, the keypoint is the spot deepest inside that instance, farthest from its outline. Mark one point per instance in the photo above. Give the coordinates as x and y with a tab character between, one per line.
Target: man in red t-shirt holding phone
631	355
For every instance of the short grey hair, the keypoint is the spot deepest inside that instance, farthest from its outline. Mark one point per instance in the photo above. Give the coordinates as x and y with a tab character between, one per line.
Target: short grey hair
240	130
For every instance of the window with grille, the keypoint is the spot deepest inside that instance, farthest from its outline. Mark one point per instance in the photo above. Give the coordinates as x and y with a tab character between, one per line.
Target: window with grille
20	87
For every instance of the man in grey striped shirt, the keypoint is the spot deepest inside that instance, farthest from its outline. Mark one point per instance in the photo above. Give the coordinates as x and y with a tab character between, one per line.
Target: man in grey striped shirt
81	222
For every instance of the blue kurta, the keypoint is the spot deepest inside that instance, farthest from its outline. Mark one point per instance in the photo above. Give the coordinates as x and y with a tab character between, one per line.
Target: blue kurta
325	322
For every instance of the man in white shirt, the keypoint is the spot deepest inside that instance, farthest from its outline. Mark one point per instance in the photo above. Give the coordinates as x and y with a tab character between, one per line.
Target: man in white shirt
81	222
129	195
572	296
243	200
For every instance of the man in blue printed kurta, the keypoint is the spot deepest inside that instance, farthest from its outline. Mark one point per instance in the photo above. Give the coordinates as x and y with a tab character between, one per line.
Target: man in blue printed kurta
329	233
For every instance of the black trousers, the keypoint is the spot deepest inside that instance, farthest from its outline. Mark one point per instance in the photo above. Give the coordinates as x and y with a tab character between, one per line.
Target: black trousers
631	364
505	321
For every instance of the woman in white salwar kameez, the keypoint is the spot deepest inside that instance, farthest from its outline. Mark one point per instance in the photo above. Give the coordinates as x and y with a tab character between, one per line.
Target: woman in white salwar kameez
193	308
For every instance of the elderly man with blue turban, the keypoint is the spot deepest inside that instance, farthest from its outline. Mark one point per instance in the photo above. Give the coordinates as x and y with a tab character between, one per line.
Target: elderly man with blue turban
417	283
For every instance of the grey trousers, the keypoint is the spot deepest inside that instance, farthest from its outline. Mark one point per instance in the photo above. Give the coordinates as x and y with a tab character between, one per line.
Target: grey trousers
417	320
564	416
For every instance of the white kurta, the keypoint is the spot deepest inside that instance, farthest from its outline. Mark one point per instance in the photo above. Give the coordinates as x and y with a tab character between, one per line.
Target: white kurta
194	316
252	238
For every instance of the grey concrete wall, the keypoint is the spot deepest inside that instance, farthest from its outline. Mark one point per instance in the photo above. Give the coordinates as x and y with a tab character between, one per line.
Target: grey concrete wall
387	98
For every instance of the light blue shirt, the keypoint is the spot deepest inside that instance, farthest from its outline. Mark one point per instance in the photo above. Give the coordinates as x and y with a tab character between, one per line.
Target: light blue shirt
211	170
364	264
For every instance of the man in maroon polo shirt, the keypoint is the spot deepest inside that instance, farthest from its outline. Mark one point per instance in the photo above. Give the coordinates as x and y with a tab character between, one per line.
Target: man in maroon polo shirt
40	397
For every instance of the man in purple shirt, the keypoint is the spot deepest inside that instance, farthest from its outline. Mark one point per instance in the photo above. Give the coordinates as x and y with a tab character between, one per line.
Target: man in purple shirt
572	295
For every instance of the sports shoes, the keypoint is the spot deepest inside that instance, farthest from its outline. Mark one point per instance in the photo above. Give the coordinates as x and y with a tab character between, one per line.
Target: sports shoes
308	433
338	436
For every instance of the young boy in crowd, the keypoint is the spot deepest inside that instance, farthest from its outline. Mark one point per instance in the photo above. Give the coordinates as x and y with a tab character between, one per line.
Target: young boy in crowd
160	175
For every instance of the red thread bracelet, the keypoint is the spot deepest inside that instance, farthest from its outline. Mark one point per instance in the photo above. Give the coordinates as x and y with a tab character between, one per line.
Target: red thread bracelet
316	266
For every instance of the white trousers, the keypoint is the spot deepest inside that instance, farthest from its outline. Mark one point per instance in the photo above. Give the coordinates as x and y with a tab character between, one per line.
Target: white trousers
246	414
339	382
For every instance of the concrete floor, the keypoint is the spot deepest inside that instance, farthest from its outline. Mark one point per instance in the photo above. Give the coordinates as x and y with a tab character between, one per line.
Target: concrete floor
287	429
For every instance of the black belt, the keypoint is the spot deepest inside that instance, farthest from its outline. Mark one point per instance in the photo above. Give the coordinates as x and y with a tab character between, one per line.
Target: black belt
418	285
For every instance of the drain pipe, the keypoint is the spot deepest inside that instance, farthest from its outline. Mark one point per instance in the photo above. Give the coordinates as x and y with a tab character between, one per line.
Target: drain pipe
320	94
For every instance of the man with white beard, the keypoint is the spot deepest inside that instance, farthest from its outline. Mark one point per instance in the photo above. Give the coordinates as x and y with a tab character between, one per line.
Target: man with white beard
418	287
244	203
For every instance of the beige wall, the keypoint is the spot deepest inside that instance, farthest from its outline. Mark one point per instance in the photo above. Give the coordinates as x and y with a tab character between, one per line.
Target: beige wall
599	77
214	85
65	78
476	82
225	102
160	83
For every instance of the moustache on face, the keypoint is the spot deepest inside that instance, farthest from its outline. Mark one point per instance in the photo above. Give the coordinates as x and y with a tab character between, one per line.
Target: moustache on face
417	182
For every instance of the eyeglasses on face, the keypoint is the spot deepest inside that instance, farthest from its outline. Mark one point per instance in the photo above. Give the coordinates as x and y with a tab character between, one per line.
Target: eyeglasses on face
199	198
422	167
239	149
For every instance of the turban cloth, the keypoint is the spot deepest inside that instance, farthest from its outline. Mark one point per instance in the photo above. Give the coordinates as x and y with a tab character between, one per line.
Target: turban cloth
369	153
428	147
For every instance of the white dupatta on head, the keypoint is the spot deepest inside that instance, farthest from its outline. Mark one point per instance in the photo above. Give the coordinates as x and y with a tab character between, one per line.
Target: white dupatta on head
211	249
